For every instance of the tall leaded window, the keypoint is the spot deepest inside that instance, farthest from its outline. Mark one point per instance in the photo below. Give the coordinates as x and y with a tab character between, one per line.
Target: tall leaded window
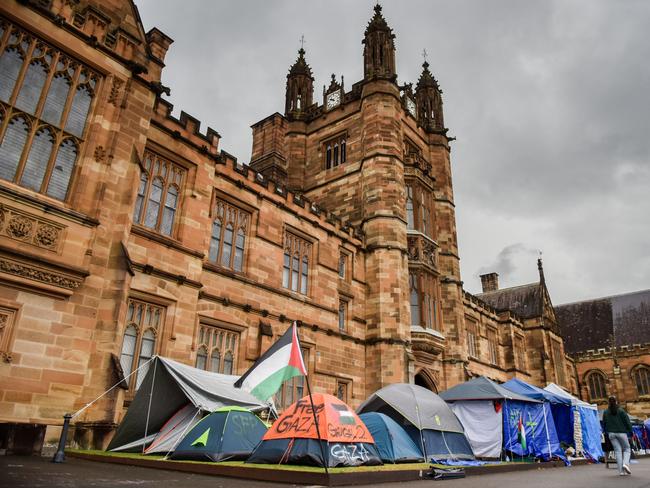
641	377
418	209
472	338
343	315
295	266
158	197
597	384
144	323
217	349
520	352
335	151
493	345
45	100
414	299
228	237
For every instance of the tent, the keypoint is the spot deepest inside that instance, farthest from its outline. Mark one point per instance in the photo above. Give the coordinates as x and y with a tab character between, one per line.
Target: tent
425	417
171	398
560	407
477	404
227	434
393	443
293	438
587	430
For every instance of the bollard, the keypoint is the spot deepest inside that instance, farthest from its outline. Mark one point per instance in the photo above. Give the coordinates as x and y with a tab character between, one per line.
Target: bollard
59	457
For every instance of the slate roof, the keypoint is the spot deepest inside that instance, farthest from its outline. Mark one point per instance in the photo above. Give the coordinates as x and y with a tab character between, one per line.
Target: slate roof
523	300
590	323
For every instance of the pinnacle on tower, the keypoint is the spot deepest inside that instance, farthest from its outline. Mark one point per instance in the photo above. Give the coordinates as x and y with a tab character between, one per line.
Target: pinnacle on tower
300	88
428	97
379	49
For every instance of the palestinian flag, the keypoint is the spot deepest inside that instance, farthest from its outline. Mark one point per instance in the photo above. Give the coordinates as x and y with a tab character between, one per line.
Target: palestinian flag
521	434
282	361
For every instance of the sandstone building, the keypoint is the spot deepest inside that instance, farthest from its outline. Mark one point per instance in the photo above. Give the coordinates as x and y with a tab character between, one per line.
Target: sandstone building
610	340
126	232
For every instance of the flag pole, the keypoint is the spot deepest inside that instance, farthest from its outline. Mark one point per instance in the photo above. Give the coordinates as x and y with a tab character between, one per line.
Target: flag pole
313	410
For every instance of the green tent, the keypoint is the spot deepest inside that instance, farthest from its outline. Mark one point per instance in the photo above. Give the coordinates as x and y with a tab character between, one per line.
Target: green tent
227	434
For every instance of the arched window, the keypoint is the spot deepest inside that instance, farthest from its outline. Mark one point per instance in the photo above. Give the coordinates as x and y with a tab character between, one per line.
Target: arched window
227	363
304	274
328	156
153	205
215	240
239	250
641	377
66	156
128	350
139	200
410	224
596	383
36	164
10	64
56	98
215	361
32	86
201	358
12	146
79	110
335	151
226	250
335	158
414	299
343	151
143	322
171	200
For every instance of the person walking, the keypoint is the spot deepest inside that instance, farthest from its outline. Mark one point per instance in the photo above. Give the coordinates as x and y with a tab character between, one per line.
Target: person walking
617	426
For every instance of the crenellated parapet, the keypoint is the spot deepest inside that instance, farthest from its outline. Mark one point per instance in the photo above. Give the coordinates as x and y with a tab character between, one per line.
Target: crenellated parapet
609	352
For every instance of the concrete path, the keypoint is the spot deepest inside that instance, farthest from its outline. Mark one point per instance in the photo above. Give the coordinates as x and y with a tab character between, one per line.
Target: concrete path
31	472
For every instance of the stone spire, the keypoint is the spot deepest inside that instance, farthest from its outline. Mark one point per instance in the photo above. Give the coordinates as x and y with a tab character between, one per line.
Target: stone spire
379	49
429	101
300	88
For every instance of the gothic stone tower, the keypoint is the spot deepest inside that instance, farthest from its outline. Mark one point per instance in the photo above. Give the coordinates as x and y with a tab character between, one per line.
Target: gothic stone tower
377	156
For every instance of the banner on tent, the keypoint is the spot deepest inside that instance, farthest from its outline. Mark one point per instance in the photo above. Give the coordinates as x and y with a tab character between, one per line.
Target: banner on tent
337	424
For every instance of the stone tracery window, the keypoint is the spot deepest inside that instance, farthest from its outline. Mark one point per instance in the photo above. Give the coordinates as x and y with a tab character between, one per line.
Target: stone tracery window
597	384
493	345
418	209
158	195
217	349
472	338
423	302
641	377
45	100
144	324
558	359
335	151
520	353
228	238
295	266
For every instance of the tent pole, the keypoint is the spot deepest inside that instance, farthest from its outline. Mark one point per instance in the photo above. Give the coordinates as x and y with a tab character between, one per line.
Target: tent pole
146	426
320	440
548	440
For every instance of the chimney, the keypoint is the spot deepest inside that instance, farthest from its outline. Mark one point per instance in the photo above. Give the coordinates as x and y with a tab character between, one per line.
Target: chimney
490	282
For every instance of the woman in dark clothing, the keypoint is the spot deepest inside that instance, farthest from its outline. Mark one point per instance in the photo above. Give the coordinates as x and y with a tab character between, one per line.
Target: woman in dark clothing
617	426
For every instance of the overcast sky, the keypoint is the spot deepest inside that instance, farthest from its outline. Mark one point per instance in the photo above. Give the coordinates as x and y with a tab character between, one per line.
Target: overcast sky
549	102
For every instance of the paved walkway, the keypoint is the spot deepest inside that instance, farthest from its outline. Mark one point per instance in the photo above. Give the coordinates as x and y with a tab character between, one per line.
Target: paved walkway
31	472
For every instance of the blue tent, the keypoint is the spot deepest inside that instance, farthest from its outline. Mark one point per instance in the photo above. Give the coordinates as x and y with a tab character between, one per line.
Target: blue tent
392	442
561	410
591	432
228	433
541	438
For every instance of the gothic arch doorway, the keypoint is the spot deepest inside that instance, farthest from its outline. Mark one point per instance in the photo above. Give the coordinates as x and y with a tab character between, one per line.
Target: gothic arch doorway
424	379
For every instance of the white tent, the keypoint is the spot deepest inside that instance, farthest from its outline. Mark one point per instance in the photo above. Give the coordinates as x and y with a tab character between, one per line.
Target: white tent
483	426
575	401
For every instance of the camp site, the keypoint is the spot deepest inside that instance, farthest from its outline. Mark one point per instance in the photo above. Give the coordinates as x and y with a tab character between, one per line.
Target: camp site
194	421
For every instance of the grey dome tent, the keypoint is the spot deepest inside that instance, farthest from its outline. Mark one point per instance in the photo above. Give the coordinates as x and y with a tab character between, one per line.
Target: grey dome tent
425	417
173	397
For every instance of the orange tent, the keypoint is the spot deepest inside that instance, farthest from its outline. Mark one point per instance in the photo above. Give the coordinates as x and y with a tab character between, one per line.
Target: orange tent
336	421
293	438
